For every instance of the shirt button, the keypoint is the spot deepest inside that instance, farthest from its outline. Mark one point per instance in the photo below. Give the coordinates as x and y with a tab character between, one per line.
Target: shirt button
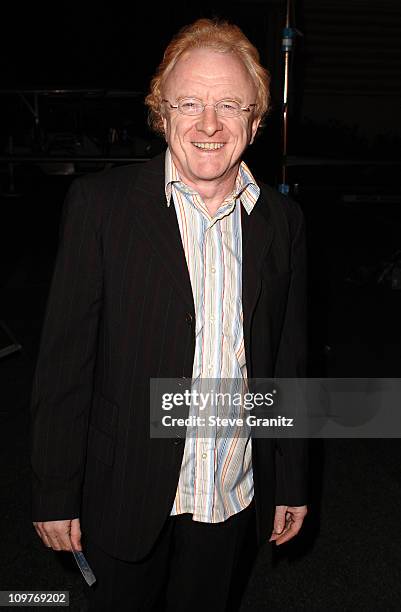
211	319
204	455
213	269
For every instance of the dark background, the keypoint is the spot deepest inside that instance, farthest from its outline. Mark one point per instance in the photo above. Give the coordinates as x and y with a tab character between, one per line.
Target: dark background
344	169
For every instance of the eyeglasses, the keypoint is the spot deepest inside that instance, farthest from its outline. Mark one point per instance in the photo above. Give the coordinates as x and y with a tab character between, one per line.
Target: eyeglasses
224	108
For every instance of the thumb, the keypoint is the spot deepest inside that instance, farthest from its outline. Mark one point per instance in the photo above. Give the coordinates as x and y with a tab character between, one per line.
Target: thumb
279	519
75	534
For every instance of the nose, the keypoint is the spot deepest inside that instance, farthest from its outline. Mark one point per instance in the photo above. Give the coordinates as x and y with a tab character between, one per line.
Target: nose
208	121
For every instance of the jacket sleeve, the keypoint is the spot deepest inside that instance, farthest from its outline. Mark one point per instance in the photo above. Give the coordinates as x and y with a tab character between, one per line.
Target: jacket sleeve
63	379
292	453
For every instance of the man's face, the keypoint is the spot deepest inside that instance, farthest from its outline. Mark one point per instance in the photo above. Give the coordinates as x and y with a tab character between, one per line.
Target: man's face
209	76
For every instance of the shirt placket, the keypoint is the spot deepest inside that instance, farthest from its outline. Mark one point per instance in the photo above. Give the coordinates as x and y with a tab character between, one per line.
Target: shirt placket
206	443
215	503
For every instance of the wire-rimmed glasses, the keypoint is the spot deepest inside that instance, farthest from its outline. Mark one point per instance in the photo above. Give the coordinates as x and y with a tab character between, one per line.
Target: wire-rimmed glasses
223	108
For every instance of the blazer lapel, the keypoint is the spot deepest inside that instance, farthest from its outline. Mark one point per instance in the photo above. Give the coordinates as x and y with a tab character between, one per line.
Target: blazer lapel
257	236
159	224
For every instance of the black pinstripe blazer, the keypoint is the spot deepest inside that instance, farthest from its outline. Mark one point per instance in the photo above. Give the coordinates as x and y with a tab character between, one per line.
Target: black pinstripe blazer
120	310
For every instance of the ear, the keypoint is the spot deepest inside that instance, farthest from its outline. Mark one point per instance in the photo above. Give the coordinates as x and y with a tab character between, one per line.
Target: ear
254	129
165	123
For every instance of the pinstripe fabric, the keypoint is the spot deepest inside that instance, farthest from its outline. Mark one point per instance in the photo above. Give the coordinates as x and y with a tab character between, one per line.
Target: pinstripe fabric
216	479
117	316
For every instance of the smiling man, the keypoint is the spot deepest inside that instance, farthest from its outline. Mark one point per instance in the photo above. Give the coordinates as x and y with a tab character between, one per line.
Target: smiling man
211	122
185	266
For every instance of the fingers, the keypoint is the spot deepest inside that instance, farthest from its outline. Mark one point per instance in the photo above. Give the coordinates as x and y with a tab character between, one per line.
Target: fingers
75	535
279	519
42	535
55	534
291	530
279	522
288	521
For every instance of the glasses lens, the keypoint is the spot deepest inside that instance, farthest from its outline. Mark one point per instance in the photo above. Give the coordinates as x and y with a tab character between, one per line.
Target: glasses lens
190	106
228	108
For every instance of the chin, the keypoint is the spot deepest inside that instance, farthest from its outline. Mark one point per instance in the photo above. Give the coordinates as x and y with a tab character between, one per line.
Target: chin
207	176
208	170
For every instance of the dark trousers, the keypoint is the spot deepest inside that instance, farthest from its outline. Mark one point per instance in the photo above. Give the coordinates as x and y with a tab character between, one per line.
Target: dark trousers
193	566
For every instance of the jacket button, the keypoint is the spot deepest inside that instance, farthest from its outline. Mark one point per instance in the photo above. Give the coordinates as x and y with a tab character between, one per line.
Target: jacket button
177	441
189	318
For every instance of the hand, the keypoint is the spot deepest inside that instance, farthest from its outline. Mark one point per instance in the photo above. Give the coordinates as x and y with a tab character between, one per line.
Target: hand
287	523
60	535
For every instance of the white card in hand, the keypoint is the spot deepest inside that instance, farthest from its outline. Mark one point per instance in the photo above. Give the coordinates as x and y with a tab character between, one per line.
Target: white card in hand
84	566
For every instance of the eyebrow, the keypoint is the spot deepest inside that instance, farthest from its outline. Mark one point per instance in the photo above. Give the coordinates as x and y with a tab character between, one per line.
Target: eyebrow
227	97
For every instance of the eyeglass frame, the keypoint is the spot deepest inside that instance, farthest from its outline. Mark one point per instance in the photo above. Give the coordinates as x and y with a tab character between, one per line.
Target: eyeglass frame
177	107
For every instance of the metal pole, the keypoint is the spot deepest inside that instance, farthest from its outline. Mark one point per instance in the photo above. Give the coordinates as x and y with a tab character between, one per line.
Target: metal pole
287	45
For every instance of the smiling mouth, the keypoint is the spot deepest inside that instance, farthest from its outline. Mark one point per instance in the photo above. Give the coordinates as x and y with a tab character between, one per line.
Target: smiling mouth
209	146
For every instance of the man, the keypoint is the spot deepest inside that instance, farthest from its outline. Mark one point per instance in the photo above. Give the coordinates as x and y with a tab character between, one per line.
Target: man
182	267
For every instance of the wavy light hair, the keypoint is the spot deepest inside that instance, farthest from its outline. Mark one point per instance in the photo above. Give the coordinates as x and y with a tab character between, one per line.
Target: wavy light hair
212	34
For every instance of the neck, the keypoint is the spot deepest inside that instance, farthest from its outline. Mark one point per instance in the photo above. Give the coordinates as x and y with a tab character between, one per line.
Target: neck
212	192
213	198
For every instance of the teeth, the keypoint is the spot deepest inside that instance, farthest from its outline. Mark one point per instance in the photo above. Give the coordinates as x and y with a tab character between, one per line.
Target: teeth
209	145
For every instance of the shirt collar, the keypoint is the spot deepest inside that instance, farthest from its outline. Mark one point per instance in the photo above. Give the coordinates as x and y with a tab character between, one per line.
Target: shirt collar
245	188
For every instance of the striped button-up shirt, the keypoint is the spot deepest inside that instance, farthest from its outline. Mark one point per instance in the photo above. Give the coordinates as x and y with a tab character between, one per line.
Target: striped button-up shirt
216	479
